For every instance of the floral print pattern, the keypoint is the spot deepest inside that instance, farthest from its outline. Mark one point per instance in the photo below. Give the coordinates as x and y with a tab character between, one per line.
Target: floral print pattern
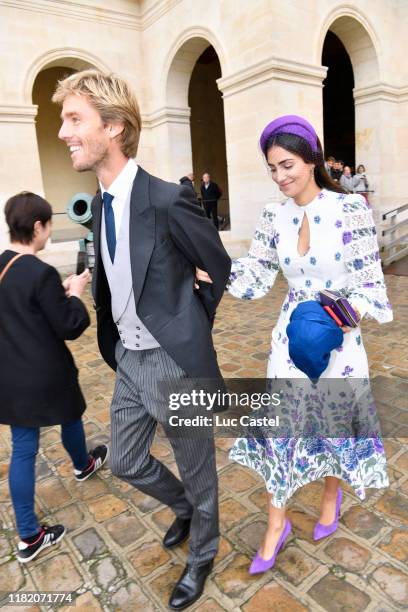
346	261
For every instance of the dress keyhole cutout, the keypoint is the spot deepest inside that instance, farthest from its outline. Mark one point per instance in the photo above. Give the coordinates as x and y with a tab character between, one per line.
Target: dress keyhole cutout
303	244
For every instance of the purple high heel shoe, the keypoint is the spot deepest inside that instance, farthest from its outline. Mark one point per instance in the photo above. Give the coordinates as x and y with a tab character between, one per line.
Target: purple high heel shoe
260	565
322	531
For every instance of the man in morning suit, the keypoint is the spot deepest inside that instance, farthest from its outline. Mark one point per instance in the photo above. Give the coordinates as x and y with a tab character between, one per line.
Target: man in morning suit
149	236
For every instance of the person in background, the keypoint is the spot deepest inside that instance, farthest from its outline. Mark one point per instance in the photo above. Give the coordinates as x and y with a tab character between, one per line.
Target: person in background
362	185
347	180
210	194
329	165
188	180
38	379
337	170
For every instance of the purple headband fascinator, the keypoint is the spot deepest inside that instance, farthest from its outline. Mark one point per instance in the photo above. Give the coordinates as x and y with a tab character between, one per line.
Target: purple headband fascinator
290	124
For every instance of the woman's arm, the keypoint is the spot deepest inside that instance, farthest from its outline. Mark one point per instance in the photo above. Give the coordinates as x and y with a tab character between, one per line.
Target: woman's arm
366	287
253	276
67	316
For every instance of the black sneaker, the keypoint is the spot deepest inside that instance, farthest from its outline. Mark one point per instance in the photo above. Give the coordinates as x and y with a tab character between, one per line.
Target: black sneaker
47	537
97	458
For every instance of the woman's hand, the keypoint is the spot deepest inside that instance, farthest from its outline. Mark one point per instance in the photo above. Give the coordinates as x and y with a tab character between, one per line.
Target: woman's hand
347	329
66	284
201	276
77	283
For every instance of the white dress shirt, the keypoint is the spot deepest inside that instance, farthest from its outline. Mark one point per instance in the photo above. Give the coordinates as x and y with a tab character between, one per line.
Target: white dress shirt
132	332
121	189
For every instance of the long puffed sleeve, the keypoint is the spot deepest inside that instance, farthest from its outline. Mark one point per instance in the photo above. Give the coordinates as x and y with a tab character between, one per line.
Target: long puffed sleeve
366	288
252	277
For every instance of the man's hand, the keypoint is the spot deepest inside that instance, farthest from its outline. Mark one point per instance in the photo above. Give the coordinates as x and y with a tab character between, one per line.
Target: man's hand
201	276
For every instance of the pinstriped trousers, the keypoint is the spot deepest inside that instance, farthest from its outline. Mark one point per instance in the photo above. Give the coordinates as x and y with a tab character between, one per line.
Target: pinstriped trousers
137	407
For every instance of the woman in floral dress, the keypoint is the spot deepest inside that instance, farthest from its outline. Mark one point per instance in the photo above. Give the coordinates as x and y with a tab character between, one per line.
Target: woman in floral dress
320	238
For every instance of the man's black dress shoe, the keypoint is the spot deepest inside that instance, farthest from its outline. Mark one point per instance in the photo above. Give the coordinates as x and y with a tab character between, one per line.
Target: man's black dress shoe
177	533
190	586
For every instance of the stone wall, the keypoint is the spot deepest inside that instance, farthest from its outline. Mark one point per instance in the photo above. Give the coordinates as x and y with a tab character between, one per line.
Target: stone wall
270	57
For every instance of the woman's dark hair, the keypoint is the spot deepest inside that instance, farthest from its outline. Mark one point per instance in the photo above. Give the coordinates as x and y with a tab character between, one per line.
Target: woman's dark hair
22	211
360	166
299	146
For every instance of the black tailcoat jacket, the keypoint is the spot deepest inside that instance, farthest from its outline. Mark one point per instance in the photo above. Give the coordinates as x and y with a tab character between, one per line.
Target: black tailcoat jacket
38	378
169	236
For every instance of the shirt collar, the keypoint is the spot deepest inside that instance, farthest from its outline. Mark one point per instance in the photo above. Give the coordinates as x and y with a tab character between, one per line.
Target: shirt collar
120	187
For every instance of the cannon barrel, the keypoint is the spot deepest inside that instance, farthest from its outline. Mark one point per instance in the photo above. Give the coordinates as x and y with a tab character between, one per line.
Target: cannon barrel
79	209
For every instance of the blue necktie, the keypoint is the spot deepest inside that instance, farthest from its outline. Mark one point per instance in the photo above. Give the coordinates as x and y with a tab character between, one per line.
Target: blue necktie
109	224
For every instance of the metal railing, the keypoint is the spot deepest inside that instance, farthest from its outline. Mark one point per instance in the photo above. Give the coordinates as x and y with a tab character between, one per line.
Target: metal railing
392	246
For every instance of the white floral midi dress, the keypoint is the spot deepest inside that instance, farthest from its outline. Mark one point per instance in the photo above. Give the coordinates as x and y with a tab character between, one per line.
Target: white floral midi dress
343	256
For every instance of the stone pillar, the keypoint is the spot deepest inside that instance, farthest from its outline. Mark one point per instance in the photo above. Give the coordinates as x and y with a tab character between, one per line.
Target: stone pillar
167	131
20	168
382	143
252	98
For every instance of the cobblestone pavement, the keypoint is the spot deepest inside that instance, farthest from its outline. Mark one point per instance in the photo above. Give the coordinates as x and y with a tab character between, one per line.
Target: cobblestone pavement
112	556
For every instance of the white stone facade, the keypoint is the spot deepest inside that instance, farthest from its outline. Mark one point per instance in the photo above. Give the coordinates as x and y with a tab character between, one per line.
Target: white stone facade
270	56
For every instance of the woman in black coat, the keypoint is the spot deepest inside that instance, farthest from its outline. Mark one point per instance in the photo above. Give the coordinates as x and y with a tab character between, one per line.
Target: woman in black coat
38	378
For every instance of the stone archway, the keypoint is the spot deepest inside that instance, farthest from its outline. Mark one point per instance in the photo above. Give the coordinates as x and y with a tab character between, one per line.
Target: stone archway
207	126
195	121
349	36
338	101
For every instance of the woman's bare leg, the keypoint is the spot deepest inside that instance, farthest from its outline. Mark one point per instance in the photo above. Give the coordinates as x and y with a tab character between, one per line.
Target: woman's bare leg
276	523
329	498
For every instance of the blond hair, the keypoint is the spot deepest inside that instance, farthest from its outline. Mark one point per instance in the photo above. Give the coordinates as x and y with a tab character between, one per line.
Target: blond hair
112	97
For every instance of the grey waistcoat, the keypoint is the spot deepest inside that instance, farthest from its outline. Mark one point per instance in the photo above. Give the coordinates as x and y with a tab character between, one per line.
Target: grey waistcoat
133	333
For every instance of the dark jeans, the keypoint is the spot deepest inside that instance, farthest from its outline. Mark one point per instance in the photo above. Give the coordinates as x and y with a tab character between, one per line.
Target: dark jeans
211	210
22	469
